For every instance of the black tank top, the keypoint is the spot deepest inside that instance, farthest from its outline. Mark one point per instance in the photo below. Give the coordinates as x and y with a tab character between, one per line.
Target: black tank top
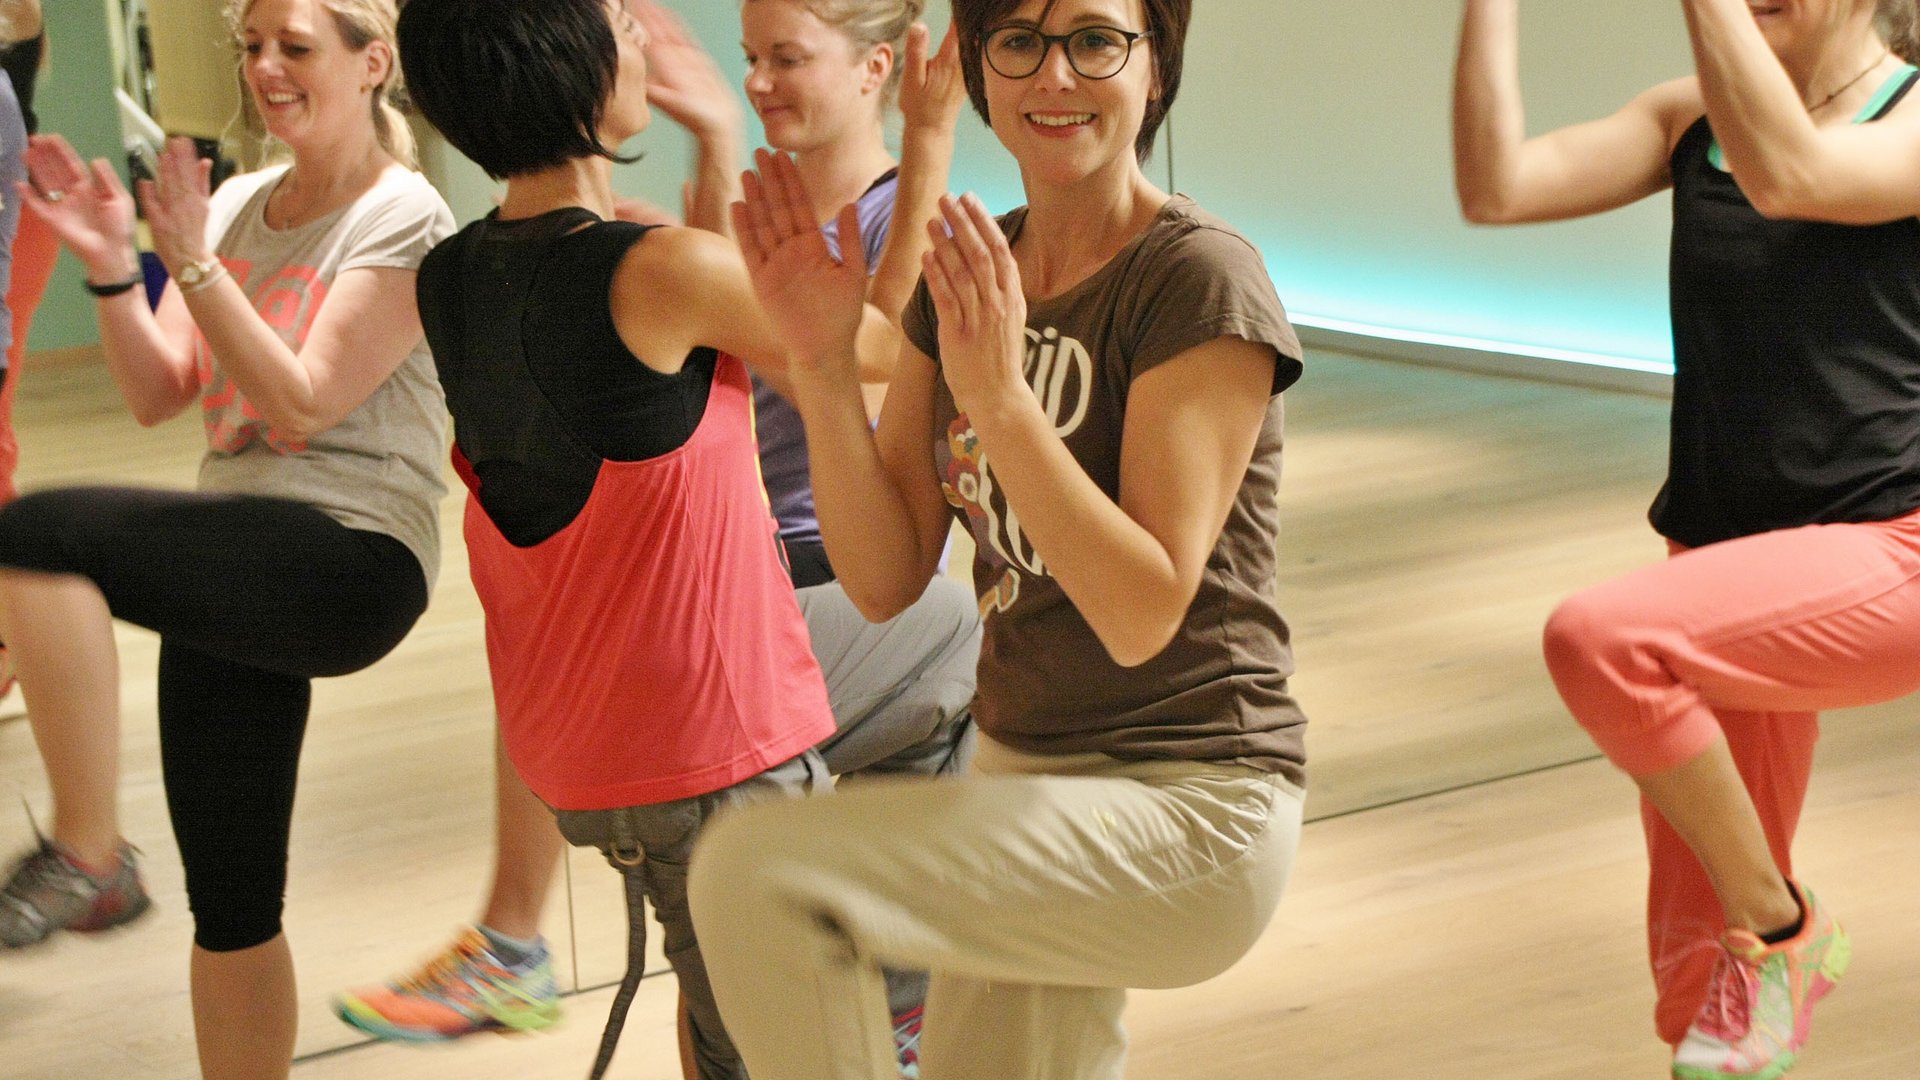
1796	395
541	388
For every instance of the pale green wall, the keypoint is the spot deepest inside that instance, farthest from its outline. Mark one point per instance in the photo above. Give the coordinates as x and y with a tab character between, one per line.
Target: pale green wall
75	98
1321	130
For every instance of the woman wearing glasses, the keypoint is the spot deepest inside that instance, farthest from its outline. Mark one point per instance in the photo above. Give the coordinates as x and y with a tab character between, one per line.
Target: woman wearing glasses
1792	501
1092	383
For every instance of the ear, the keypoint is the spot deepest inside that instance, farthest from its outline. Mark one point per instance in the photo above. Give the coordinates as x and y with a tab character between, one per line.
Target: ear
878	67
379	62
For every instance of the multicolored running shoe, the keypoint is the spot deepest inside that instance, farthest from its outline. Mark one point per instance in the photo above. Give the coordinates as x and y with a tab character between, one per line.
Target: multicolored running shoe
464	990
1759	1007
48	891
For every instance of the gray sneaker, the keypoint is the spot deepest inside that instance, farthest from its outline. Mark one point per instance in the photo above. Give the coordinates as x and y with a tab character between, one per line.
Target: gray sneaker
48	891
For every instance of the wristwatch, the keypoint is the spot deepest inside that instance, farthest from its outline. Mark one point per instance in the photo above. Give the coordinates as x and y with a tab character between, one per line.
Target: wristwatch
197	273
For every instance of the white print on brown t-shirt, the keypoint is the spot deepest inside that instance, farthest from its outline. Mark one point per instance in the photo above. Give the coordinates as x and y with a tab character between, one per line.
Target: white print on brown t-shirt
1060	372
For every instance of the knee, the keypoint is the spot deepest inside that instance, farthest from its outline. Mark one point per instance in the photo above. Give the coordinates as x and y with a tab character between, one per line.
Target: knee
228	921
1582	634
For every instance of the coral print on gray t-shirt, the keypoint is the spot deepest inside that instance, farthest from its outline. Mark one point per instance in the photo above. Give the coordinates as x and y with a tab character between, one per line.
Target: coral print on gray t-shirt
379	468
1218	692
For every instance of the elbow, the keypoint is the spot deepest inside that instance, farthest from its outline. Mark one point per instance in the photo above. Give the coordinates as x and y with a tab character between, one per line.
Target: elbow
298	427
1782	193
1777	201
878	602
1481	207
1133	646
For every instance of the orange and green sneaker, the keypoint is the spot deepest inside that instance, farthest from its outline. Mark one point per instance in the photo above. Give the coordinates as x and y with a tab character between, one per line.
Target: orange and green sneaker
1759	1007
464	990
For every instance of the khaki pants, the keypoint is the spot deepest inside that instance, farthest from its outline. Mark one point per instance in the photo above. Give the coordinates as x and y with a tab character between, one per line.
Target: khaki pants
1037	889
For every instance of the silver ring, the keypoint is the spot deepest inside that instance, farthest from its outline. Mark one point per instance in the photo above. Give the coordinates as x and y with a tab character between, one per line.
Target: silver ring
56	196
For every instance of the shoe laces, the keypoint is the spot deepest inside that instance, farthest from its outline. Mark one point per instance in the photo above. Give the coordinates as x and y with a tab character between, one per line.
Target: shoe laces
1728	1011
446	970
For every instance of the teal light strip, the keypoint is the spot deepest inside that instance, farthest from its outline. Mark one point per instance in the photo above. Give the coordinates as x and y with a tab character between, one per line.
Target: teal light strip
1459	341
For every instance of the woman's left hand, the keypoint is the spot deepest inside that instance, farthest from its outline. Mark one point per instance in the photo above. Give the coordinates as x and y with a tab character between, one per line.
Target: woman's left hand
931	88
975	285
175	203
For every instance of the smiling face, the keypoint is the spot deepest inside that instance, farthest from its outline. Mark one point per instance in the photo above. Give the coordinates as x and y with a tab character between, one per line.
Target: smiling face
309	87
810	84
1060	125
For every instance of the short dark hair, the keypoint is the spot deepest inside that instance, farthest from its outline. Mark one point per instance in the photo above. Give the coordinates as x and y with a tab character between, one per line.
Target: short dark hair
518	87
1166	20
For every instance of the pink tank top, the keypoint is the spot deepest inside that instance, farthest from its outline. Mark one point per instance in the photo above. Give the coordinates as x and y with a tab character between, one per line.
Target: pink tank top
652	649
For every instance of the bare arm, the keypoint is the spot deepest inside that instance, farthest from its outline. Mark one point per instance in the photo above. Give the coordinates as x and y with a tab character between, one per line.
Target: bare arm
880	505
931	92
684	83
681	288
1503	177
1854	174
362	333
150	355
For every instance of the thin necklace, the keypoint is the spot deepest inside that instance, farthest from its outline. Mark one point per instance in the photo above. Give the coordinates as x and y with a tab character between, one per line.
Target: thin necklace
1848	85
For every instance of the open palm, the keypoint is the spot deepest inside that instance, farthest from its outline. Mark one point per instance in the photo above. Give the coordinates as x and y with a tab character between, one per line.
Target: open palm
814	300
86	205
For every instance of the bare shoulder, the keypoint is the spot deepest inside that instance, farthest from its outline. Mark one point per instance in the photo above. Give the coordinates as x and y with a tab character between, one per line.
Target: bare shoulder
1674	105
677	257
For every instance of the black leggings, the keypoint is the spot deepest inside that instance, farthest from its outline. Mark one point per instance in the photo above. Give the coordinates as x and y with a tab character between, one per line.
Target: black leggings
252	597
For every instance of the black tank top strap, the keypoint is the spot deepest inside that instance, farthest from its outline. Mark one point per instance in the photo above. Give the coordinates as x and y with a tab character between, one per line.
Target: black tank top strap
540	385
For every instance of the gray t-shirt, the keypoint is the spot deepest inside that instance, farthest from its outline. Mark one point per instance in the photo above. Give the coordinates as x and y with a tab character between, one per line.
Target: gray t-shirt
1218	692
378	469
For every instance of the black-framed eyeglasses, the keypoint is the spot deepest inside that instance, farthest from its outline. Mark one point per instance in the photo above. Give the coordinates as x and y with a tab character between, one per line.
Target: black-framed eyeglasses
1094	52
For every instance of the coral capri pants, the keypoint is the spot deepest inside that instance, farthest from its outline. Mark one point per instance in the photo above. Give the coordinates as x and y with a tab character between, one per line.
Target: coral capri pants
1747	639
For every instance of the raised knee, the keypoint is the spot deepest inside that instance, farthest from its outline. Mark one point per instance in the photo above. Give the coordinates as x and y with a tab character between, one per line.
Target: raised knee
1580	633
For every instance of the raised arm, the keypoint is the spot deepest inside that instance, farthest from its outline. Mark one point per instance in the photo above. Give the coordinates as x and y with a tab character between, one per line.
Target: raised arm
366	327
149	355
680	288
931	93
684	83
882	514
1851	174
1502	177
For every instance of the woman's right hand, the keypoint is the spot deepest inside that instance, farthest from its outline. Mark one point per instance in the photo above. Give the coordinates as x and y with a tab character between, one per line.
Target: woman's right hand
682	80
87	206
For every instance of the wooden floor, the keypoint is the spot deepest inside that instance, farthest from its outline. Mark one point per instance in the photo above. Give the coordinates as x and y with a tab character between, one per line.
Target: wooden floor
1466	904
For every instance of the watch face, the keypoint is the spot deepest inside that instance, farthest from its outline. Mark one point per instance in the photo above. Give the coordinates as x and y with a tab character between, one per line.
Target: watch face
192	273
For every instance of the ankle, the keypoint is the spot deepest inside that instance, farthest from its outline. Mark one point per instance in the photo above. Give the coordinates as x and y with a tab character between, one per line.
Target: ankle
1772	917
98	859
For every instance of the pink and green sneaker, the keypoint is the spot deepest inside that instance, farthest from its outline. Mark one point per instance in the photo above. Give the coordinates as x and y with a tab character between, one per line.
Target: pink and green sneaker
464	990
1759	1006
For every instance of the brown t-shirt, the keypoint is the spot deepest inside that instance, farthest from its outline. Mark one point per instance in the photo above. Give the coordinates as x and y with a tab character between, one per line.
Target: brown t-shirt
1219	690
